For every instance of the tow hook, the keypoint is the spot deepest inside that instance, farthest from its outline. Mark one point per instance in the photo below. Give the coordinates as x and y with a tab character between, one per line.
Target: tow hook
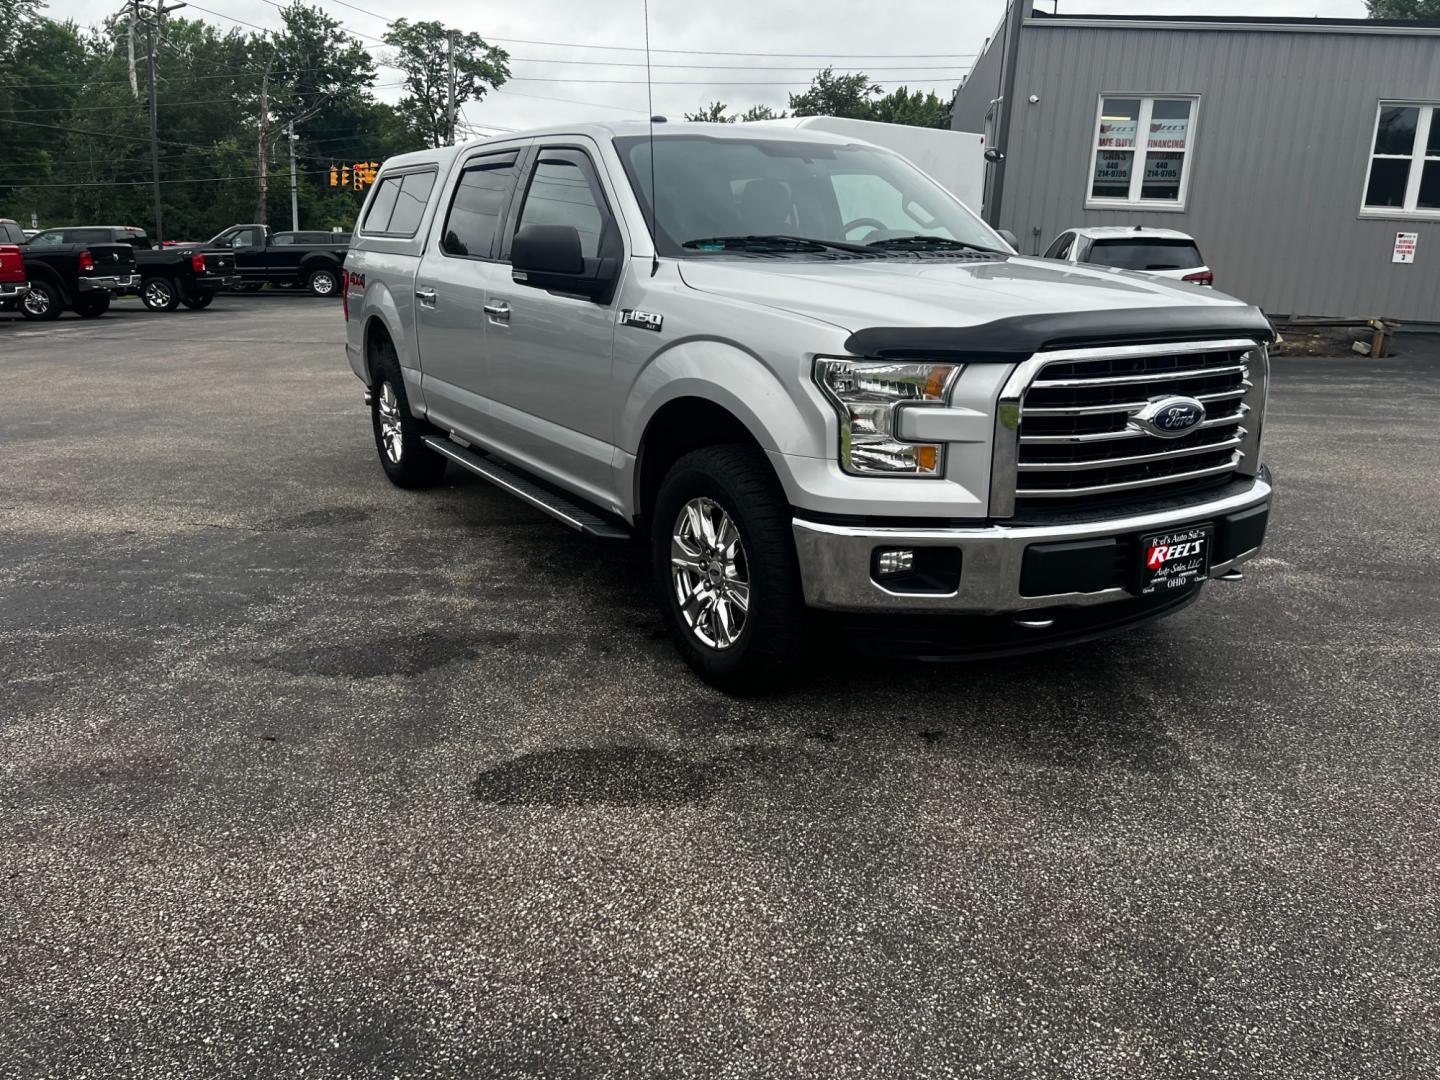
1033	624
1232	575
367	397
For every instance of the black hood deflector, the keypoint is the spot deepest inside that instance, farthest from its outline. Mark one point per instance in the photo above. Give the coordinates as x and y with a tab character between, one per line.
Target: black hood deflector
1014	338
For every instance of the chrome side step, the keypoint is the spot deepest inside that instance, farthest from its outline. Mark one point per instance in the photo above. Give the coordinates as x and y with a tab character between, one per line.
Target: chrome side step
538	494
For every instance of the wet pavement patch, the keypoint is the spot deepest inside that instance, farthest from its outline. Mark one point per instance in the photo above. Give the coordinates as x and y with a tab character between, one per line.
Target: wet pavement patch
406	653
583	776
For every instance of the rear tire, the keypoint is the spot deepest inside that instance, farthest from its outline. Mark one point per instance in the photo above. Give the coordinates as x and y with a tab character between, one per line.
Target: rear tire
93	305
725	566
200	302
43	303
407	461
323	282
159	294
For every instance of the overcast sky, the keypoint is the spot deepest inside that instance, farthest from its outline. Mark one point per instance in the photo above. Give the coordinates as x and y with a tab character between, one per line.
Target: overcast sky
926	44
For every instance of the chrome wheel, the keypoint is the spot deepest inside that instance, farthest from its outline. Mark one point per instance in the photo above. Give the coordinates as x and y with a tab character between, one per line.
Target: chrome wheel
36	303
322	283
388	409
710	573
157	294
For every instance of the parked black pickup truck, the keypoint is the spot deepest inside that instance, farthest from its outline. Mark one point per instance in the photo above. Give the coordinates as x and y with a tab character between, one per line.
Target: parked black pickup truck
79	276
309	259
189	274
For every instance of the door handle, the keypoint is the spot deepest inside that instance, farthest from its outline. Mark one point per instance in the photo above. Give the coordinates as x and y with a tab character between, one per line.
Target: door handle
499	310
427	297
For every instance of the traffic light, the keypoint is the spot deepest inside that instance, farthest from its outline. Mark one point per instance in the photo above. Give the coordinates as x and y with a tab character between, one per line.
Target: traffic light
344	175
334	176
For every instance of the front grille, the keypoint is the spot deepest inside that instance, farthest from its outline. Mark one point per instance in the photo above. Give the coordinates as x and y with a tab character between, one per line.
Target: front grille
1075	438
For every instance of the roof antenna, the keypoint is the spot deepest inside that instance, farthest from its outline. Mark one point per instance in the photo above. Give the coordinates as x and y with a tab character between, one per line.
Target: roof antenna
654	193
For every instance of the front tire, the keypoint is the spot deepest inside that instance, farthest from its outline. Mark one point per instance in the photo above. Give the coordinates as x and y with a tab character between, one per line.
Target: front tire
725	567
43	303
200	302
159	294
92	305
323	282
399	437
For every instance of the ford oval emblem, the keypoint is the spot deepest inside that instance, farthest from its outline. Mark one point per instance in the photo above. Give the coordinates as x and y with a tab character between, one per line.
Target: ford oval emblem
1169	417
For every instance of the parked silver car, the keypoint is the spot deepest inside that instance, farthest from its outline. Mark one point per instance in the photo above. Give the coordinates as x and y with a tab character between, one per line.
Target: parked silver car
814	380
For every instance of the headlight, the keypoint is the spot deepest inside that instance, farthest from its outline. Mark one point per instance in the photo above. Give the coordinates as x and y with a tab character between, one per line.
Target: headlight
868	396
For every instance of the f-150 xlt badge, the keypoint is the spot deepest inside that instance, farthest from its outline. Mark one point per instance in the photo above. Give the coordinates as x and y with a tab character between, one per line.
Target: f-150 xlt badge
642	320
1169	417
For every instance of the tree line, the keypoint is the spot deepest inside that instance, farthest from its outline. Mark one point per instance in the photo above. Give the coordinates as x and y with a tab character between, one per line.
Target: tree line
854	96
74	130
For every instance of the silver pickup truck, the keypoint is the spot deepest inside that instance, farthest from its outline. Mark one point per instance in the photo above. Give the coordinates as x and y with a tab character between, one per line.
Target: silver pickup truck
810	379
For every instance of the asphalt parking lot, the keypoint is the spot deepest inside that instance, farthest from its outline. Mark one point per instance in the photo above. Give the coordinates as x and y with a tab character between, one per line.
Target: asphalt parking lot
305	776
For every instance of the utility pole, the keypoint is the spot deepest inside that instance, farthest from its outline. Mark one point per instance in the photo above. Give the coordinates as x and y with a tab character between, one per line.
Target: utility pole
156	28
134	6
294	194
262	148
450	89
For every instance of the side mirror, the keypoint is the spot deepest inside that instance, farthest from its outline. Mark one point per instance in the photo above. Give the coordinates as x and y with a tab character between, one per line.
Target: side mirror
549	257
1009	238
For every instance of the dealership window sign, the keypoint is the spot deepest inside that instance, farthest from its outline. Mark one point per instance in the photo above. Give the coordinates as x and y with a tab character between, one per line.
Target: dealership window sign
1405	247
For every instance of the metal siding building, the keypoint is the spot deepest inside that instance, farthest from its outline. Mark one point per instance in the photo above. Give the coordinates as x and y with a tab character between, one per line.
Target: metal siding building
1279	147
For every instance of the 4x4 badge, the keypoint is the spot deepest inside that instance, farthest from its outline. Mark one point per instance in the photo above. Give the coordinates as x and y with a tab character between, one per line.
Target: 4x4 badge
642	320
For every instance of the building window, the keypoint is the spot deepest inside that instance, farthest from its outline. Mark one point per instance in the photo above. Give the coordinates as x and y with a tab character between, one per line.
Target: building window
1404	173
1142	152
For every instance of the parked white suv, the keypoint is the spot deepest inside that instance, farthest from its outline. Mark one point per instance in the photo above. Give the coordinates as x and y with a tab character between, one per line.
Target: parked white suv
813	380
1165	253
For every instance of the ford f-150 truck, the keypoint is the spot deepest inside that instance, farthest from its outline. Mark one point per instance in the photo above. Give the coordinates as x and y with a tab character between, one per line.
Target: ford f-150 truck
307	259
81	276
188	274
811	379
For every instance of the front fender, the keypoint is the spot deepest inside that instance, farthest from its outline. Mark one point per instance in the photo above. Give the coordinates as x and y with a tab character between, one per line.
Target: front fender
708	369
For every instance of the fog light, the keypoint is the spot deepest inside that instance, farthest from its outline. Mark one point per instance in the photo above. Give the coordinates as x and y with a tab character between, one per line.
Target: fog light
895	561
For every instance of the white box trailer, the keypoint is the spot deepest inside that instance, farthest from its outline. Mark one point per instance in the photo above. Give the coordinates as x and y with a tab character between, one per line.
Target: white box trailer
953	159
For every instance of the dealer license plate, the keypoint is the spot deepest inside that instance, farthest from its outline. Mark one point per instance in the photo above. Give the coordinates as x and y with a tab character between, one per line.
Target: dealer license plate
1174	559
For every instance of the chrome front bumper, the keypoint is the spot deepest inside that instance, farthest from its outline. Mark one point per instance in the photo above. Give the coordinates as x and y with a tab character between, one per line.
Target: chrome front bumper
835	560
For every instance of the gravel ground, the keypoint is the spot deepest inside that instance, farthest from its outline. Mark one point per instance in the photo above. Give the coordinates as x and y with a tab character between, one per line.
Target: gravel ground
305	776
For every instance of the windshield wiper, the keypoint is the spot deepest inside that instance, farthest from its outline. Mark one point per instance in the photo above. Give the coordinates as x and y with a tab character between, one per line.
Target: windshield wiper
920	243
770	242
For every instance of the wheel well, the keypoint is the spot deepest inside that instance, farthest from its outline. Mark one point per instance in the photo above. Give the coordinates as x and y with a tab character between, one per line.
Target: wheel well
376	332
318	262
679	427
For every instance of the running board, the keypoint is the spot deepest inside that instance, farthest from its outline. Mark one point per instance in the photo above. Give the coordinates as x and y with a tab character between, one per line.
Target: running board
538	494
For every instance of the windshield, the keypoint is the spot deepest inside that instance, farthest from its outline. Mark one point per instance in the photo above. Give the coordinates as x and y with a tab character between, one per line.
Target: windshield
1146	254
714	188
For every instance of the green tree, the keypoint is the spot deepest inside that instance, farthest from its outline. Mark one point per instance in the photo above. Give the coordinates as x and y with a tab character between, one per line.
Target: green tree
852	96
714	113
1403	9
420	51
914	108
761	112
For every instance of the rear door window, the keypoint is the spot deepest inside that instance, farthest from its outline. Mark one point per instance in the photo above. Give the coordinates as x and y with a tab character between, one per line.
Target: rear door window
1146	254
479	201
47	239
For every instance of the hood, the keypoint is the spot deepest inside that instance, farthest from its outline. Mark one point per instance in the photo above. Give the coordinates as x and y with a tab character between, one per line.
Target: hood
938	292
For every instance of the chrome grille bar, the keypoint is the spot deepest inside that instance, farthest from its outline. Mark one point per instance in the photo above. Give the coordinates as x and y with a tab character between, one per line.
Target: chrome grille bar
1129	433
1132	485
1140	379
1131	406
1133	459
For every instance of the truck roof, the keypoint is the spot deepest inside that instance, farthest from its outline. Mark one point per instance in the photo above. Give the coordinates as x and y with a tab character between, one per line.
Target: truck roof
622	128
